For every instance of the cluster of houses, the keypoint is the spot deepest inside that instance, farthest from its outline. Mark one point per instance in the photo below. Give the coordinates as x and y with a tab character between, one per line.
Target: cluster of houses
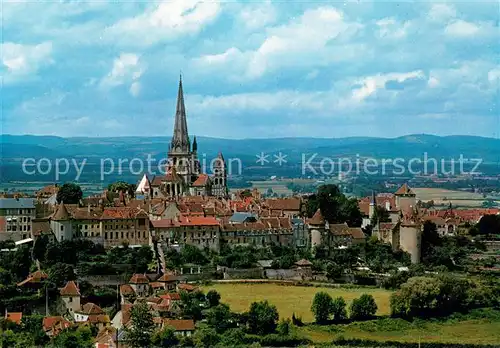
208	221
162	296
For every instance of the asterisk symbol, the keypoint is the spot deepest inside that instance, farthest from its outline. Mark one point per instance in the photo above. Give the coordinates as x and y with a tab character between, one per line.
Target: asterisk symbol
280	158
262	158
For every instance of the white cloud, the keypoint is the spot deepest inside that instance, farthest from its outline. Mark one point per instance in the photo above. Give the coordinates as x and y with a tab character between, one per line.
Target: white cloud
442	12
135	88
432	82
370	84
301	40
222	58
461	28
20	61
494	75
126	69
259	15
389	28
165	21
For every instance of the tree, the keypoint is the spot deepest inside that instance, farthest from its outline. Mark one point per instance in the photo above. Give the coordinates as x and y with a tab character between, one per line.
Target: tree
338	309
333	270
363	308
60	273
262	318
417	297
139	334
284	327
488	225
380	215
190	304
213	298
165	338
69	193
322	307
122	186
220	318
72	337
334	206
39	247
206	337
191	254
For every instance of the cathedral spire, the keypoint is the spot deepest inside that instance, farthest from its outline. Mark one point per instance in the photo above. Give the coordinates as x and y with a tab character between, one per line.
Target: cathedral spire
180	139
195	144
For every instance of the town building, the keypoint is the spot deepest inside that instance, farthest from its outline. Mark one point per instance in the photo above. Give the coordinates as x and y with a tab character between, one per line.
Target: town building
16	218
183	176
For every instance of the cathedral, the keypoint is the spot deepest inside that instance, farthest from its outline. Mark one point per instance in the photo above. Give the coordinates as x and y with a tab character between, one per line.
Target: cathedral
183	174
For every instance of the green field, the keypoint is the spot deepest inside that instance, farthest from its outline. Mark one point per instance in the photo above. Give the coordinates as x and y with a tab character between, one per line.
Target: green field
291	299
444	197
477	331
297	299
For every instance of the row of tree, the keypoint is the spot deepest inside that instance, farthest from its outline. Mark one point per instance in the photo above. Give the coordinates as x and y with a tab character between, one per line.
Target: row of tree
326	309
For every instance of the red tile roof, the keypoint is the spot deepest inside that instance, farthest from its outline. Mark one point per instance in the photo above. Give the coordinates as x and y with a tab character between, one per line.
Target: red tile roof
35	277
339	229
70	289
15	317
139	279
198	221
404	190
98	318
167	278
202	180
180	325
91	308
174	296
291	204
317	218
357	233
61	213
122	213
126	289
187	287
49	323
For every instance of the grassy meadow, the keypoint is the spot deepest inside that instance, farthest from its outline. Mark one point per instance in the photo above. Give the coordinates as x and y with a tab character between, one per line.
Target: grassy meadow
444	197
291	299
471	331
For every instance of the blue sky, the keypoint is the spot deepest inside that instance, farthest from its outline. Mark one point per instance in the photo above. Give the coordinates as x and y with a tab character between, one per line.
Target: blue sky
251	69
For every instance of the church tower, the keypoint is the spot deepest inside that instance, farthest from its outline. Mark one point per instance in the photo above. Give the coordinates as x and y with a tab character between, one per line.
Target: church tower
219	187
180	155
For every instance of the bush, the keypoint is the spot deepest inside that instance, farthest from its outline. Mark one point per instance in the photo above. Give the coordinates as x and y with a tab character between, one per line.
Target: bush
213	298
322	307
438	296
363	308
339	309
262	318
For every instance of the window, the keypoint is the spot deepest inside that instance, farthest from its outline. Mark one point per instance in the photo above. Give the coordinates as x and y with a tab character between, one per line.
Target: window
105	235
71	299
122	235
62	228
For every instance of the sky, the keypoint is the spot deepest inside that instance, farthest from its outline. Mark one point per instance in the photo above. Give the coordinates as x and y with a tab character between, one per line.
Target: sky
251	69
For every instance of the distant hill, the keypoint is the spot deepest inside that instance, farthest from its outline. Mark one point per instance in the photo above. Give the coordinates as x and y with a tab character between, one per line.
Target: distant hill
14	147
